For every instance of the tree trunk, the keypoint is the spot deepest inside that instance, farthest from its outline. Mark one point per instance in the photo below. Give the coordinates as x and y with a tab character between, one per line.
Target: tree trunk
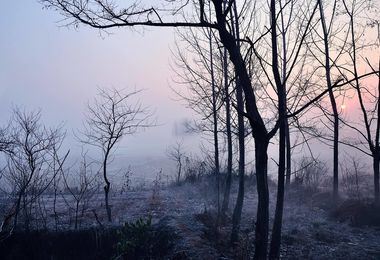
261	234
108	208
334	108
216	144
336	153
288	154
274	252
18	208
179	169
76	215
281	93
376	159
107	188
227	190
240	198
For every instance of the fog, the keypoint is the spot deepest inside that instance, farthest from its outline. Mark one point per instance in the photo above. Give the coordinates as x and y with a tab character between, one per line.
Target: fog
58	69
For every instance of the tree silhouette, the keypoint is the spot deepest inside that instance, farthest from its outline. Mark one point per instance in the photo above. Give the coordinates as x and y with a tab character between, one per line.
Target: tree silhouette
108	120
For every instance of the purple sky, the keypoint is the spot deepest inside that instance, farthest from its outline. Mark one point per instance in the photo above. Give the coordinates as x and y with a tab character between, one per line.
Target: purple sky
59	69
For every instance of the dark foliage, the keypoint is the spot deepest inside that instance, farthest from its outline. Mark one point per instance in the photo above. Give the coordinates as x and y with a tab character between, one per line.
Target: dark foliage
358	213
93	243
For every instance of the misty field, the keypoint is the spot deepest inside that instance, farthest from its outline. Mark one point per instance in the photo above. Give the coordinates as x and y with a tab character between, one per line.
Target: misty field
183	224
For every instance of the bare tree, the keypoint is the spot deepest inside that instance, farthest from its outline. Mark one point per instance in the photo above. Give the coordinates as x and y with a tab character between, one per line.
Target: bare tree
371	134
311	172
362	34
236	217
325	32
207	80
28	171
176	152
82	186
108	120
354	174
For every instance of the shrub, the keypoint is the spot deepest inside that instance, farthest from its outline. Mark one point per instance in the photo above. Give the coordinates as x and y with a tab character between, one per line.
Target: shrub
134	242
310	173
358	213
142	240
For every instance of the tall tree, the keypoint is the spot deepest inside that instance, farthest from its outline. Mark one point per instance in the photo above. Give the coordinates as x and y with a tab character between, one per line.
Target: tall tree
227	190
208	81
236	217
108	120
203	77
335	47
366	96
325	33
215	124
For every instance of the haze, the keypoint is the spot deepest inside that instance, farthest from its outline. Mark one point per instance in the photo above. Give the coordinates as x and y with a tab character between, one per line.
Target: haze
59	69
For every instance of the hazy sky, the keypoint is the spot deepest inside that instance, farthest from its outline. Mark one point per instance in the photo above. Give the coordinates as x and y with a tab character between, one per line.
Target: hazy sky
59	69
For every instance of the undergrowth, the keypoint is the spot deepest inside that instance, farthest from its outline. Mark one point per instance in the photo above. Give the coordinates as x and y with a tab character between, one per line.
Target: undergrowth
142	240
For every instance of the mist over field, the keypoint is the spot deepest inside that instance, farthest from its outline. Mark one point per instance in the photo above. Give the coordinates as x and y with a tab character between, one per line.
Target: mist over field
189	129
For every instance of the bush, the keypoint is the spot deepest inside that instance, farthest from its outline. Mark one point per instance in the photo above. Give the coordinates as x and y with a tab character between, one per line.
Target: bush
134	241
358	213
142	240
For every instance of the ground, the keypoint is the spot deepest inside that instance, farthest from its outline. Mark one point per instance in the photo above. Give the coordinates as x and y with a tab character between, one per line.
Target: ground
183	219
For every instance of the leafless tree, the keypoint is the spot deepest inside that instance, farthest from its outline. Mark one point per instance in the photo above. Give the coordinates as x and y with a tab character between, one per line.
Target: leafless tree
82	185
354	174
28	170
108	119
236	217
311	172
207	79
326	29
371	134
176	152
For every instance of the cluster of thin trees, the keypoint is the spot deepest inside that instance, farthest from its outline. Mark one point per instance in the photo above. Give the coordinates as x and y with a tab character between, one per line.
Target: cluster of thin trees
267	69
36	181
